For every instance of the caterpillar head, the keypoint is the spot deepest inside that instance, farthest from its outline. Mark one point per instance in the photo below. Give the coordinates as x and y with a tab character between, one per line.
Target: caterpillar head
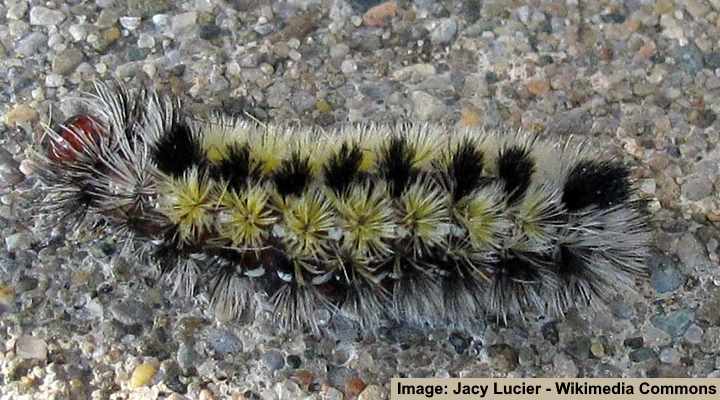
74	136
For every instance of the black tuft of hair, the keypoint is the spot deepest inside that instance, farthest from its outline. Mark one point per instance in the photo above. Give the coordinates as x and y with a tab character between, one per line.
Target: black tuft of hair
596	183
465	169
237	168
177	150
568	263
514	268
293	176
515	168
396	165
343	167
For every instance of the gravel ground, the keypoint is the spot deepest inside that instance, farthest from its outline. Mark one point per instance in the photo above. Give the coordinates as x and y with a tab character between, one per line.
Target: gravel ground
640	78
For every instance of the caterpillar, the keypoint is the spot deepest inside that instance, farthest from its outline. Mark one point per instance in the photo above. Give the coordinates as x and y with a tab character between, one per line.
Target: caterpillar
423	224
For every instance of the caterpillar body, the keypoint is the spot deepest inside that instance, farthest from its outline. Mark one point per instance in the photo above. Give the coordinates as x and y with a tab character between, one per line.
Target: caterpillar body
418	223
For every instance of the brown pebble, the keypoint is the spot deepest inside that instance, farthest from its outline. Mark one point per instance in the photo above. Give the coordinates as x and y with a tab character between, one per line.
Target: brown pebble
470	117
20	113
378	15
538	87
298	26
354	386
303	377
205	394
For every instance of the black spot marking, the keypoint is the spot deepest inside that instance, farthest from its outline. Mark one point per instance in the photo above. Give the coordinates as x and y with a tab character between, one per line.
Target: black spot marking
396	166
177	150
596	183
293	176
515	168
237	168
465	169
343	167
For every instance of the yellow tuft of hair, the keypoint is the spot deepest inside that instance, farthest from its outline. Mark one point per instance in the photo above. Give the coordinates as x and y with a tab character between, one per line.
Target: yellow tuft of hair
269	148
219	135
370	138
366	218
426	143
308	222
424	215
533	219
189	204
246	218
481	215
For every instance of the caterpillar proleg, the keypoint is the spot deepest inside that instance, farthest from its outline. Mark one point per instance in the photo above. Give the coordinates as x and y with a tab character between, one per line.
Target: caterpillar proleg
419	223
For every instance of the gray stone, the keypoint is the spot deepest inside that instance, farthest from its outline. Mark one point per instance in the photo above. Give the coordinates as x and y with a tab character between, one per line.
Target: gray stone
711	340
444	32
691	252
130	312
656	337
642	354
694	333
30	347
223	341
574	122
348	66
18	241
674	323
502	357
564	366
339	51
670	356
273	359
712	60
302	100
30	44
10	173
664	274
579	348
182	23
689	58
186	356
16	9
331	393
209	31
45	16
147	8
66	61
710	310
427	107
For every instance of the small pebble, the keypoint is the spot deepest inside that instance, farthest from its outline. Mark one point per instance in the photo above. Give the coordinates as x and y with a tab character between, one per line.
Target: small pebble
130	23
348	67
30	347
378	15
372	392
142	375
45	16
273	360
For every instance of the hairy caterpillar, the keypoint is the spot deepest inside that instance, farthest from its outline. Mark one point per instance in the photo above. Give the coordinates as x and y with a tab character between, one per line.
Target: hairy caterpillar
415	223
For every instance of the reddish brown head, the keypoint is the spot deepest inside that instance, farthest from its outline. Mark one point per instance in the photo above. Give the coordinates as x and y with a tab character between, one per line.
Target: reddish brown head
74	135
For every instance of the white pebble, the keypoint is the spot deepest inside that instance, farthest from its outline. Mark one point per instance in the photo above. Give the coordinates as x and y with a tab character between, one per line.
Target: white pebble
78	32
146	41
130	23
54	80
348	67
